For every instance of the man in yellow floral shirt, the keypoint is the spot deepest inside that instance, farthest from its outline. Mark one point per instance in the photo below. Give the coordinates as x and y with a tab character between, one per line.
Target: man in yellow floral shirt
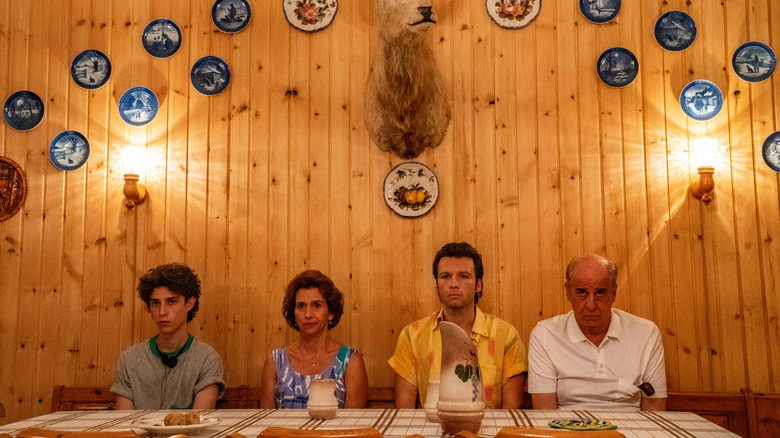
457	268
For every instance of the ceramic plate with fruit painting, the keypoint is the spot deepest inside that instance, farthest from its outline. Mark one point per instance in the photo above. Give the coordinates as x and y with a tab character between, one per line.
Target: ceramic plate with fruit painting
411	189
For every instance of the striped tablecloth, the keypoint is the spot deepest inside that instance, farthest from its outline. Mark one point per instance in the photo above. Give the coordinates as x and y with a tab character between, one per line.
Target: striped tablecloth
391	422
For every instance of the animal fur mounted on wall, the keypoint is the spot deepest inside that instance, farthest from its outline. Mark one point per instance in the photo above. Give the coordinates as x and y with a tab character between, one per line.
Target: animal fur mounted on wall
406	107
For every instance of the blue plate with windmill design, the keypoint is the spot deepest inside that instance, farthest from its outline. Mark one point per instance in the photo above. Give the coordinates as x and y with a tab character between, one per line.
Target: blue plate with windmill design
675	31
600	11
161	38
23	110
90	69
231	16
701	100
754	62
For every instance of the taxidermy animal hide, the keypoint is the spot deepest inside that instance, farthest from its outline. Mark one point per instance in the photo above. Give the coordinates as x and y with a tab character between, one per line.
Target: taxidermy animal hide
406	108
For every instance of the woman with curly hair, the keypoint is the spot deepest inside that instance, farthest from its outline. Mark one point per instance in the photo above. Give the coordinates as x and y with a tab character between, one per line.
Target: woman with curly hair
312	306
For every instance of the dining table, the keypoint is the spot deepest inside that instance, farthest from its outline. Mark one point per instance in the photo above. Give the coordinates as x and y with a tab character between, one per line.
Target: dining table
390	422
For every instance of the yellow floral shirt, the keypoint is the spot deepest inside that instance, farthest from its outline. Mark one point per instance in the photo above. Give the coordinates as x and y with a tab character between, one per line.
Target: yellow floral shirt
501	353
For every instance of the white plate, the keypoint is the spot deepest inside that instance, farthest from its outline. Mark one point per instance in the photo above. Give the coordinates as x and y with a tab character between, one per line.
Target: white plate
411	189
156	425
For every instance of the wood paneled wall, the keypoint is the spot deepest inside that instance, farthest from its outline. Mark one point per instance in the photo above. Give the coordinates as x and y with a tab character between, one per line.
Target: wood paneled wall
277	174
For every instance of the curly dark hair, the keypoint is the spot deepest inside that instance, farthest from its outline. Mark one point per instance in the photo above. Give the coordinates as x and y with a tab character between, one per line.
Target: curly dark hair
307	280
460	250
180	279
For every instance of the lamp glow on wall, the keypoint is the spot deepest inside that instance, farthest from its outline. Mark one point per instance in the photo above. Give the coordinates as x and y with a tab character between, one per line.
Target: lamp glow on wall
133	158
704	154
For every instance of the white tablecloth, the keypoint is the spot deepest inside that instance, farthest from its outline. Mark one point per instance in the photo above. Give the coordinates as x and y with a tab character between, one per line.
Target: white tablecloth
390	422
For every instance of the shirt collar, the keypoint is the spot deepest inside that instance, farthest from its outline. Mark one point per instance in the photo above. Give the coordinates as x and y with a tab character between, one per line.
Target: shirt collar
480	326
575	334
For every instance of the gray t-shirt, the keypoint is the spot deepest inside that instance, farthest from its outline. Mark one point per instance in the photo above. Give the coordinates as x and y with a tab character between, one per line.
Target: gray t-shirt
143	378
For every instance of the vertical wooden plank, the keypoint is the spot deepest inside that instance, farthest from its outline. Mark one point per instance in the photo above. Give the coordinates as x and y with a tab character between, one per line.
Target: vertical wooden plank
318	163
9	259
549	189
53	91
569	22
197	164
238	208
771	283
257	239
339	178
361	190
717	227
298	130
95	227
636	267
22	230
279	111
484	139
462	156
215	275
655	81
762	371
73	241
502	303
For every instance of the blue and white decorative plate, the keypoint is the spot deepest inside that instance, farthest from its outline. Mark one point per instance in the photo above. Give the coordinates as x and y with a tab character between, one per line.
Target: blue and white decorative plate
513	14
90	69
231	16
310	15
617	67
675	31
138	106
161	38
411	189
599	11
23	110
754	61
69	150
771	151
210	75
701	100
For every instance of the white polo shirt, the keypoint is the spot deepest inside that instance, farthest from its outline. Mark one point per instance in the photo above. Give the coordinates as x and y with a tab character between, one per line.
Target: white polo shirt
562	360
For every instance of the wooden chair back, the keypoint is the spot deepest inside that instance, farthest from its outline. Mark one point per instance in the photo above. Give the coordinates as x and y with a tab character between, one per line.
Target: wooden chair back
81	399
284	432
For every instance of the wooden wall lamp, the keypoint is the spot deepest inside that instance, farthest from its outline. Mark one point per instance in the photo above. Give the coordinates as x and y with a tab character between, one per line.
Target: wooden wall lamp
704	153
132	164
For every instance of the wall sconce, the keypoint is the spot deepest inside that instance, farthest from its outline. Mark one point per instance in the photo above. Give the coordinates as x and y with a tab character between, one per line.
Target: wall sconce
704	153
132	166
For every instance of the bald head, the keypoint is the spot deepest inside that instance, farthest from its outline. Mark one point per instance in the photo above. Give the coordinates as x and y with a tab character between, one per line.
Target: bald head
593	258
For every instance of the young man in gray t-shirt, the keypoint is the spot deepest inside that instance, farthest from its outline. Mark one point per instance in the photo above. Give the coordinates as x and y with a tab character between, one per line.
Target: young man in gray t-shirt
172	370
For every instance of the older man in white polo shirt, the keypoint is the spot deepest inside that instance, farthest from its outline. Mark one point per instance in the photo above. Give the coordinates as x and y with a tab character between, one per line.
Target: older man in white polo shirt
596	357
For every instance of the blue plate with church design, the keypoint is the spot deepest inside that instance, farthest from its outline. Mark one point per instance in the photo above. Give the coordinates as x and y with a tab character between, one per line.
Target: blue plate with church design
210	75
701	100
23	110
69	150
138	106
231	16
754	62
675	31
161	38
600	11
617	67
90	69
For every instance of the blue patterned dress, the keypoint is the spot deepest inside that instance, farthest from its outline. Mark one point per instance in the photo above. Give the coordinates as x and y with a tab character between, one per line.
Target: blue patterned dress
292	389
